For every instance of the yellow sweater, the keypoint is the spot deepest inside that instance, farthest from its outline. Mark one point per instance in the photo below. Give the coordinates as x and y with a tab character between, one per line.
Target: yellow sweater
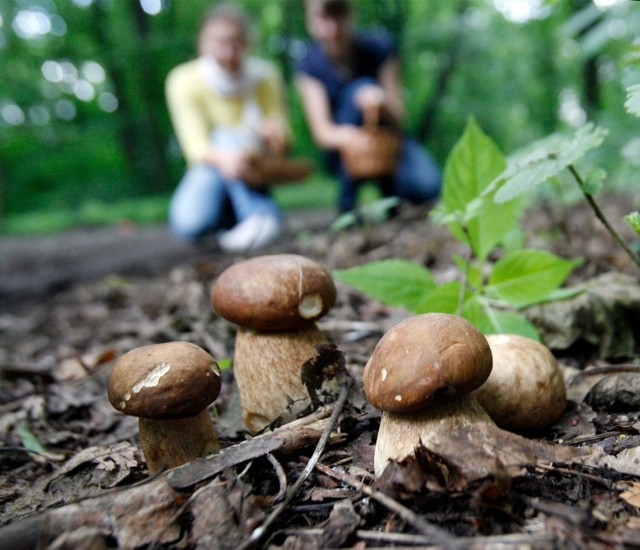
196	109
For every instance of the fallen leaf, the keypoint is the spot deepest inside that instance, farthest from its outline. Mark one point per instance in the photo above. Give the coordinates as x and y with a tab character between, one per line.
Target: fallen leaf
121	454
626	461
474	452
632	494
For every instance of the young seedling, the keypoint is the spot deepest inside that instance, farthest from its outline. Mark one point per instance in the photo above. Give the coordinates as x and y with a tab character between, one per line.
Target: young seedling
488	294
548	159
275	300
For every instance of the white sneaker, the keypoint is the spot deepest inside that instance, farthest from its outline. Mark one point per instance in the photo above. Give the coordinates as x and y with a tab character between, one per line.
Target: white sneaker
251	233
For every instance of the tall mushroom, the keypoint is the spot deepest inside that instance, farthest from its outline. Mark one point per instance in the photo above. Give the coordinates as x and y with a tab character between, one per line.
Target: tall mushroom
420	376
169	388
525	391
275	300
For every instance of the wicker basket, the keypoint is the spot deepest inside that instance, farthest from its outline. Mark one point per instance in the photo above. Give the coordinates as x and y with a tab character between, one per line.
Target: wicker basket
373	153
276	170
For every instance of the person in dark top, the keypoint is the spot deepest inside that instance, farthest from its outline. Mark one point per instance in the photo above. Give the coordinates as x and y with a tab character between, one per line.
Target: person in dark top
345	73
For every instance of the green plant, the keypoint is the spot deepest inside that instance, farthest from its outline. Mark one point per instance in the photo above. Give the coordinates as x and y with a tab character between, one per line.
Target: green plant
546	159
489	294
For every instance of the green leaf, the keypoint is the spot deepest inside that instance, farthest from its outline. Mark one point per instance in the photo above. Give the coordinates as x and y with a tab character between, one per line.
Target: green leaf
525	277
546	159
394	282
30	442
509	322
224	363
632	104
443	299
474	163
490	320
594	181
633	219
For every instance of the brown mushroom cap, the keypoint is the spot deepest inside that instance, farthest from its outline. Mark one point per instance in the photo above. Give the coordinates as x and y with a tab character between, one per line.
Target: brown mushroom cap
164	381
424	354
274	292
526	390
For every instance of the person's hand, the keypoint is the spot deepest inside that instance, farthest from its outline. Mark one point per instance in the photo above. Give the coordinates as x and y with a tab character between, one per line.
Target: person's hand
274	136
370	97
234	164
345	134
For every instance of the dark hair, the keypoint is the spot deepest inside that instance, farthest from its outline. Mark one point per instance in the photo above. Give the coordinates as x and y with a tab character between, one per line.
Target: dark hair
228	12
333	8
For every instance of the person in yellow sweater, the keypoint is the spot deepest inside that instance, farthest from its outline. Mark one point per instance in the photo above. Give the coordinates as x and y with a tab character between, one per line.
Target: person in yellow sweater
225	107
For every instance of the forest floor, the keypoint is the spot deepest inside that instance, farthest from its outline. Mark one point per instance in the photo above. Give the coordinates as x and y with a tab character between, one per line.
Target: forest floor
72	474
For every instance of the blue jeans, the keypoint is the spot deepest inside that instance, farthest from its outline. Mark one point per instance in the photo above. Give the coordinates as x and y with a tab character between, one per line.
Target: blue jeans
205	202
417	177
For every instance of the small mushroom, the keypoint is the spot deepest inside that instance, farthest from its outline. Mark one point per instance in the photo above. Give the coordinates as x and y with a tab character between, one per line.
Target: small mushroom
275	300
525	391
420	375
169	387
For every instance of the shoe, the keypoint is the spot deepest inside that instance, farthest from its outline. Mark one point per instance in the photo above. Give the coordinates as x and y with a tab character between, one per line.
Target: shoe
251	233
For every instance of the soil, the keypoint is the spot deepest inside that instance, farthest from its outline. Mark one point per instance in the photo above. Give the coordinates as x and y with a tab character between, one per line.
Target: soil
72	474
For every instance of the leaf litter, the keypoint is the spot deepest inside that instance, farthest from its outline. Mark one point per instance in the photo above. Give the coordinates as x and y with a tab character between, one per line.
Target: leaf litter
72	473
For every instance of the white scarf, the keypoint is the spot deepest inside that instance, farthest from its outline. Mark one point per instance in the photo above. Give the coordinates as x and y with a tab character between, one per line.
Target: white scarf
243	85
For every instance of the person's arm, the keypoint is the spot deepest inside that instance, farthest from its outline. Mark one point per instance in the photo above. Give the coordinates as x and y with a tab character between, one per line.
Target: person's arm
188	121
384	99
326	133
389	77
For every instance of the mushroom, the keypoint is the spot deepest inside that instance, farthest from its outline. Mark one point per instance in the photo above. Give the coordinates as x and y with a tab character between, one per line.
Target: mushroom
169	387
525	391
275	301
420	375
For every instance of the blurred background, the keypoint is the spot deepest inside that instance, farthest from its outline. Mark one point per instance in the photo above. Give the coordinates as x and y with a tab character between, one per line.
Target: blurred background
85	136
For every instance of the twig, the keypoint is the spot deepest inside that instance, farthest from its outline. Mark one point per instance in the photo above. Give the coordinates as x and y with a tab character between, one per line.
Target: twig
607	369
524	539
435	534
282	478
550	468
259	532
603	218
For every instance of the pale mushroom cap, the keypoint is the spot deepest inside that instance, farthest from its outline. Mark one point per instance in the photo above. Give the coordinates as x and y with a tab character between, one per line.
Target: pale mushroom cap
164	381
274	292
423	355
526	390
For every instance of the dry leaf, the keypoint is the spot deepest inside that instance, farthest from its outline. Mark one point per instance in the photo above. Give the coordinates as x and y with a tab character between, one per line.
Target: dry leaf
632	495
474	452
121	454
626	461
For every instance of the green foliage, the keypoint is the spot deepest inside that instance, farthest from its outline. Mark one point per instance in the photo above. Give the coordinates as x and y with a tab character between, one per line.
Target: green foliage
633	100
633	219
545	159
467	203
395	282
518	279
31	443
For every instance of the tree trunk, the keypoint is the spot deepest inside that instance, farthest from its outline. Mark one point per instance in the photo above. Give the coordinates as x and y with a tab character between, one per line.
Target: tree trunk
128	63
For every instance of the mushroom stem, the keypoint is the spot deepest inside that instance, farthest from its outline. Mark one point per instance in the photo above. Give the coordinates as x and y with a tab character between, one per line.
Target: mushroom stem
402	432
267	368
170	443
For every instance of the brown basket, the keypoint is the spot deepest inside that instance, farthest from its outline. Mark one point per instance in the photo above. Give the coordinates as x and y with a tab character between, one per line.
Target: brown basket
276	170
374	152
